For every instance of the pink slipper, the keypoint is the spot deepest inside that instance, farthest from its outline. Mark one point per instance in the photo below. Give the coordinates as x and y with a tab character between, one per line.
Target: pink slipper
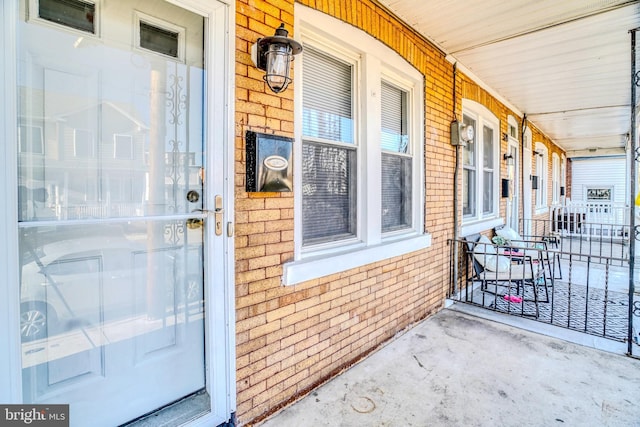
513	298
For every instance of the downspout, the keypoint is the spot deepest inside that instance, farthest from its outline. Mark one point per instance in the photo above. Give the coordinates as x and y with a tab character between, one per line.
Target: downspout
632	192
522	184
456	231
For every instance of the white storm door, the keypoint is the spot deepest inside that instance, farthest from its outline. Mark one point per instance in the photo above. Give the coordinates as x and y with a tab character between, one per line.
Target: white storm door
111	161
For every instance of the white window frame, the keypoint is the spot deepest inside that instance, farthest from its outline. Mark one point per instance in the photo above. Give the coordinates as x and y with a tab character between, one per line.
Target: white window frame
542	160
483	118
373	63
555	179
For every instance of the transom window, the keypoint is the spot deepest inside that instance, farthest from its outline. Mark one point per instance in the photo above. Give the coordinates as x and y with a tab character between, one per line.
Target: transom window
76	14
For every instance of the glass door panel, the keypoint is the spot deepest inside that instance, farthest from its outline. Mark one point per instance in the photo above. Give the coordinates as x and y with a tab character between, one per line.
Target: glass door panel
110	166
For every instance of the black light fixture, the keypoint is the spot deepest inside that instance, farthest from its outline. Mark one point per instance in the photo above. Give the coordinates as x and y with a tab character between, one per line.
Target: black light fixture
508	158
538	153
273	55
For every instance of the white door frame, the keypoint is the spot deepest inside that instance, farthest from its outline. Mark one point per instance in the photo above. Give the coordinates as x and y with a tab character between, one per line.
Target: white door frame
10	363
219	287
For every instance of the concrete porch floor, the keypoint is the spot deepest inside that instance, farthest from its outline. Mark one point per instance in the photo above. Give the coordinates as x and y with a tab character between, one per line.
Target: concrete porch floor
461	367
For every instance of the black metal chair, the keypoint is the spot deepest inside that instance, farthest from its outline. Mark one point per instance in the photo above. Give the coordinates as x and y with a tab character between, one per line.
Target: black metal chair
498	274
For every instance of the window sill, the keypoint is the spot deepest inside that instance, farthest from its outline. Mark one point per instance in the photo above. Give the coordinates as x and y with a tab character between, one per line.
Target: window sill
478	226
301	271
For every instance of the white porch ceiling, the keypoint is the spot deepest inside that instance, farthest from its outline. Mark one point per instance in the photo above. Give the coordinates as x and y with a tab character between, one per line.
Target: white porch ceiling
566	64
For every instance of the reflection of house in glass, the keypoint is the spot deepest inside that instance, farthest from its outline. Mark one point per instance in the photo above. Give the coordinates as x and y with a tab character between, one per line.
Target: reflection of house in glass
98	162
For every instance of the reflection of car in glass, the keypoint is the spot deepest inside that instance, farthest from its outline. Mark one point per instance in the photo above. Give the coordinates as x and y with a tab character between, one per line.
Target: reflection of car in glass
88	281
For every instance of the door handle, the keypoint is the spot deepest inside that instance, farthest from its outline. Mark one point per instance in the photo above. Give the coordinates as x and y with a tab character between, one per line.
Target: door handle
218	214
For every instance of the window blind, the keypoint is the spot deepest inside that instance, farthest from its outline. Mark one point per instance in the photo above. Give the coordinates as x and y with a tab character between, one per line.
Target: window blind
327	97
396	192
394	135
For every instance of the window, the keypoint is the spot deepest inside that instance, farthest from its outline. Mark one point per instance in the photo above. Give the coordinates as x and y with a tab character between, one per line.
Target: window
122	146
541	172
76	14
329	154
396	168
83	143
31	140
359	115
159	36
479	164
555	179
469	173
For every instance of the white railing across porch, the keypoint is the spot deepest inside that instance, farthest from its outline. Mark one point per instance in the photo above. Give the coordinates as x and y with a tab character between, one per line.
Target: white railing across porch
590	219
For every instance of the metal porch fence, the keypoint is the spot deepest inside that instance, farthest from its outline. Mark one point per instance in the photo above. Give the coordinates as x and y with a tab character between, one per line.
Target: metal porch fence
577	285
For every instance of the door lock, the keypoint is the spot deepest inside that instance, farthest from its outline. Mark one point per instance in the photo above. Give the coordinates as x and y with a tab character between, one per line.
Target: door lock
218	214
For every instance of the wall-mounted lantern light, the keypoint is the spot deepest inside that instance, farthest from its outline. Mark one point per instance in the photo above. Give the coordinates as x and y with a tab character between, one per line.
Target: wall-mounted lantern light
508	159
273	55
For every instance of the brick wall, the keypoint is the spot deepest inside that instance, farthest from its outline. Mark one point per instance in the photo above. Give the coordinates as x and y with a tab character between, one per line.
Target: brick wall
290	339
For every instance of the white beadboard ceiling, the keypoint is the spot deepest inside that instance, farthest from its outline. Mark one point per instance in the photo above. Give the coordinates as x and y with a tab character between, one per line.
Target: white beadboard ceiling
565	63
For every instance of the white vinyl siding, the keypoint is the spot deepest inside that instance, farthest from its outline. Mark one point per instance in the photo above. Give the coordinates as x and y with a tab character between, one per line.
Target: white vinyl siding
609	172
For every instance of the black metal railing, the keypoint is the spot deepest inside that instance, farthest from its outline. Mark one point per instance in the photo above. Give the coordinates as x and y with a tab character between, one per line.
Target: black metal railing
581	291
585	240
